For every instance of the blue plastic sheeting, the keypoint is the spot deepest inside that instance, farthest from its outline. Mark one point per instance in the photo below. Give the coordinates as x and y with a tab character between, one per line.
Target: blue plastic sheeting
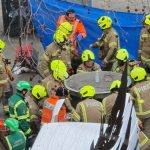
46	12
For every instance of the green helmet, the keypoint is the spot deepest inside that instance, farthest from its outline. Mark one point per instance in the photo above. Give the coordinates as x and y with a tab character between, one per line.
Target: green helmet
138	74
12	123
66	28
87	55
2	46
115	85
39	91
122	54
87	91
23	85
104	22
147	19
60	37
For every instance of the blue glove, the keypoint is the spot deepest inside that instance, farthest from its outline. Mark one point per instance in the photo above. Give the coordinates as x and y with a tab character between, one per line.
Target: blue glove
79	37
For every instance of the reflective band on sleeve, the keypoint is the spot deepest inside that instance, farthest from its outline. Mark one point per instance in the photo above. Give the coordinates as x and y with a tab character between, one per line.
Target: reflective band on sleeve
84	112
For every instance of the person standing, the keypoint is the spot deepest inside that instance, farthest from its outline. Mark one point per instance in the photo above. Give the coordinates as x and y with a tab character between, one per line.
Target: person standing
76	36
108	43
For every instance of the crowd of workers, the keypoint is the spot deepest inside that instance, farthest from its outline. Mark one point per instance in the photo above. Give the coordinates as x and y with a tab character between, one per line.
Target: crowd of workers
32	106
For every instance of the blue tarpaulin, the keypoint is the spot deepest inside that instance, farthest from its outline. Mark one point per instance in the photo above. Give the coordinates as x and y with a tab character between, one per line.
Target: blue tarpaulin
45	14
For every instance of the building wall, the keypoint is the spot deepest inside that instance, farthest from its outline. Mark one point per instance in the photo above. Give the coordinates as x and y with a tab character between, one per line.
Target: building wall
134	6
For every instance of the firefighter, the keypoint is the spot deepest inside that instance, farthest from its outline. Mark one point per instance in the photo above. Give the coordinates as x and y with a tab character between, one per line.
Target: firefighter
59	49
108	43
144	47
51	82
88	64
76	36
18	108
109	101
56	93
141	93
16	139
5	87
35	100
89	109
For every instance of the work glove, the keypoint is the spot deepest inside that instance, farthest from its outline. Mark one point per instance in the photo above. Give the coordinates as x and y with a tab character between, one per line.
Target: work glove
105	62
79	37
91	46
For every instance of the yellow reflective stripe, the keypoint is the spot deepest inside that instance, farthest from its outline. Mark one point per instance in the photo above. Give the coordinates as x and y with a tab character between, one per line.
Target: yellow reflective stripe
112	44
16	105
104	106
144	141
84	112
12	116
75	115
139	51
144	35
143	58
138	100
23	135
3	81
46	71
15	112
10	147
46	57
28	131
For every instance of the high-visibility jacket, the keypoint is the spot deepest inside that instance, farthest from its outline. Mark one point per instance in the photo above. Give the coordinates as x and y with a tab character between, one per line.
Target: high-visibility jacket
78	28
48	108
141	94
19	110
16	140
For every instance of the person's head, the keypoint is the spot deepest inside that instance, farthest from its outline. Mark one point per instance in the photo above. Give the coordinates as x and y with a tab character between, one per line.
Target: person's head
70	15
115	85
12	124
23	87
147	20
61	39
87	91
88	58
2	46
138	74
60	74
57	64
104	22
122	55
66	28
39	92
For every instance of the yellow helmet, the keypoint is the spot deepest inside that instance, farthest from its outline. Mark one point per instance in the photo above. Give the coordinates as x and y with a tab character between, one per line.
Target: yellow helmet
104	22
58	64
39	91
115	85
122	54
87	91
87	55
59	37
147	19
2	46
138	74
66	28
60	74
